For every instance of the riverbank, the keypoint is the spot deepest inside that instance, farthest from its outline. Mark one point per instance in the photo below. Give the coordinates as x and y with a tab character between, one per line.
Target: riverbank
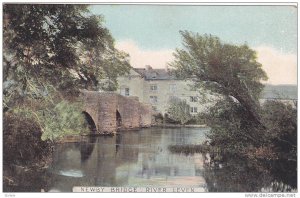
24	152
26	178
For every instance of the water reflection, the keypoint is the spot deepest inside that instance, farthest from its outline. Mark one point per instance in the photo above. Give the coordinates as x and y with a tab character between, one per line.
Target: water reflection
135	158
86	148
71	173
142	158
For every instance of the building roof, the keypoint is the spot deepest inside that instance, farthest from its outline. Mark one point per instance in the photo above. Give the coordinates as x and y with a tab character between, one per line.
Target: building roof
154	74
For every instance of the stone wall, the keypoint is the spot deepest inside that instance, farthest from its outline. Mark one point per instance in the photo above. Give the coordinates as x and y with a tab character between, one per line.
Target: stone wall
107	113
103	108
146	115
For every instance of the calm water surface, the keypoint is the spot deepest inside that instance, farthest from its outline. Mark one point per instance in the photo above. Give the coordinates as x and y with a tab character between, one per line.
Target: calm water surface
142	158
132	158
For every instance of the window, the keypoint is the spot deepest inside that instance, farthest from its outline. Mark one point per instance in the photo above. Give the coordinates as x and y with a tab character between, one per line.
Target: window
194	110
154	75
126	91
193	99
172	88
153	99
153	87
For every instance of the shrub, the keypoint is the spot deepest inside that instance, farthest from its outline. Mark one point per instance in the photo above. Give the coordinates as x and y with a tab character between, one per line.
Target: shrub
281	122
179	111
22	143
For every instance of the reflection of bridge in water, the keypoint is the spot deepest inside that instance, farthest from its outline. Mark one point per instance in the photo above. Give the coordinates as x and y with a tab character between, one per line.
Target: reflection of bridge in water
128	158
108	112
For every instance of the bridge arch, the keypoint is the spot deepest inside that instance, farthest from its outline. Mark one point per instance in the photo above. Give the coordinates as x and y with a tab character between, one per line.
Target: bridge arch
90	122
107	112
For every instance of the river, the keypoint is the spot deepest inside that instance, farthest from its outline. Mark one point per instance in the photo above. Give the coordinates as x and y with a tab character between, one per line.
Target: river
142	159
131	158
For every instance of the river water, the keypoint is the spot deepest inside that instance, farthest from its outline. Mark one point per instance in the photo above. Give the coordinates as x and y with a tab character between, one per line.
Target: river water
131	158
142	159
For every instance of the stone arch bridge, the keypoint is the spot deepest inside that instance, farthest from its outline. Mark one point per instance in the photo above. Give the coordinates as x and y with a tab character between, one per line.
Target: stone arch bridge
108	112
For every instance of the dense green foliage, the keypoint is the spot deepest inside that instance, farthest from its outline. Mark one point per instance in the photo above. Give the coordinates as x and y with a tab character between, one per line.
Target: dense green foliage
55	116
179	111
50	52
28	149
230	128
60	45
55	120
229	70
239	124
64	119
281	122
241	128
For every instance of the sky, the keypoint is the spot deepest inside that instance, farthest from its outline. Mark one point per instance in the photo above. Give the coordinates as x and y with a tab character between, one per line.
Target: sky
150	33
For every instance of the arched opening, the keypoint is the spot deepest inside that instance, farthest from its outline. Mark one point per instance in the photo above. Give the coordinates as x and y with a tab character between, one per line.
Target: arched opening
118	120
90	123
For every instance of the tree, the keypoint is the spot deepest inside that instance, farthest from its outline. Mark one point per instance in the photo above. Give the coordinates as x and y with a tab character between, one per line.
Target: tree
50	51
240	126
281	122
62	45
53	50
179	111
229	70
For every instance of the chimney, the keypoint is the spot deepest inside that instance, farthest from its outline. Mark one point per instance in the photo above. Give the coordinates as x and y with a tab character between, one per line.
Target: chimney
148	67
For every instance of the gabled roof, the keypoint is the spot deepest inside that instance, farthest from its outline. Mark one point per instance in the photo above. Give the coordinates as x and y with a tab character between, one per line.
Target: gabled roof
141	71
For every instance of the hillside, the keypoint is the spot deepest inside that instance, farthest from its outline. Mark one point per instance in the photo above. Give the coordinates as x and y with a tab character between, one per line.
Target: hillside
280	91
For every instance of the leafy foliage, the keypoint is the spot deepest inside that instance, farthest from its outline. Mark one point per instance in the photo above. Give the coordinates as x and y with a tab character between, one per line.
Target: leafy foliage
58	44
281	122
231	131
179	111
65	119
240	127
50	52
22	145
238	123
229	70
55	117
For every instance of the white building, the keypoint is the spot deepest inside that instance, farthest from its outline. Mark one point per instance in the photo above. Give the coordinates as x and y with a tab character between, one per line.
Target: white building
157	87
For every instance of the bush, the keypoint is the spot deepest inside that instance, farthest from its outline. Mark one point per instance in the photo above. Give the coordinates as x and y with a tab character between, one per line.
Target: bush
22	144
281	122
230	130
158	118
179	111
65	119
169	120
55	116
